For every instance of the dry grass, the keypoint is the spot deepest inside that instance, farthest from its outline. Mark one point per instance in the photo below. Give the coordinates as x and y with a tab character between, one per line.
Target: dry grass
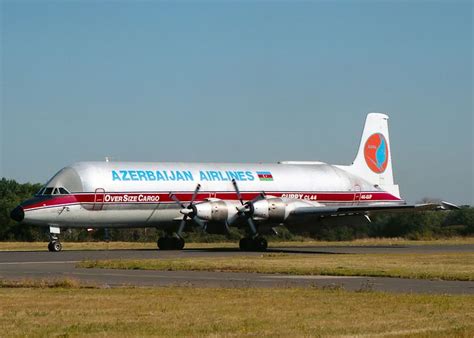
42	246
65	283
447	266
182	311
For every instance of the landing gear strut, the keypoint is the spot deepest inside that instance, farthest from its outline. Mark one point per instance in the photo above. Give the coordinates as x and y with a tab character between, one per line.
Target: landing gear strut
170	243
257	243
54	244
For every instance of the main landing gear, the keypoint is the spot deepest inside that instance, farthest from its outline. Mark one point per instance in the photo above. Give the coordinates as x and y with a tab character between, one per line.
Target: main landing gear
257	243
54	243
254	241
176	242
170	243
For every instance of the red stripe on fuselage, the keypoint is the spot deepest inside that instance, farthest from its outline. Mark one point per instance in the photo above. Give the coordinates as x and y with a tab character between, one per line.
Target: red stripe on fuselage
163	197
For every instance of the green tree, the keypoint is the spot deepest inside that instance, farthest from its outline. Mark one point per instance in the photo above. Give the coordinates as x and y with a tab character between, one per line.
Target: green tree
463	217
11	194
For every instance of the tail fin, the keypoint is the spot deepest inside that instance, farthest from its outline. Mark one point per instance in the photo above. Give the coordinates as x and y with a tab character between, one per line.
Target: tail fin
374	158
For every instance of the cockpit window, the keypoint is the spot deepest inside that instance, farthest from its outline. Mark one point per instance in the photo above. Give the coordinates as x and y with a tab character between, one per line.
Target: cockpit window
63	191
47	191
53	191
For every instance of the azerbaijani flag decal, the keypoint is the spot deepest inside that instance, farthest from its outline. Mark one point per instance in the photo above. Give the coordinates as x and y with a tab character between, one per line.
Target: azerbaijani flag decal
265	176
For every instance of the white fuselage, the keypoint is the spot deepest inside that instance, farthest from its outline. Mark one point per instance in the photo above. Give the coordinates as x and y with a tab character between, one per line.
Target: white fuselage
136	194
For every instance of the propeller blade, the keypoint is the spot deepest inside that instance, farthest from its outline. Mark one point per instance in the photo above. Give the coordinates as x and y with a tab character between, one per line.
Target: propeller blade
181	225
176	199
199	222
252	226
257	198
237	191
195	194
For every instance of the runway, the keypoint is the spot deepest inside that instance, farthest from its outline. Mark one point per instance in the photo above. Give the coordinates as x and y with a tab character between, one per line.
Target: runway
45	265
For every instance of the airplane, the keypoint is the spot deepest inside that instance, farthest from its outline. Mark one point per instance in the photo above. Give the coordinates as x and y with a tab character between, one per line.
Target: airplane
178	197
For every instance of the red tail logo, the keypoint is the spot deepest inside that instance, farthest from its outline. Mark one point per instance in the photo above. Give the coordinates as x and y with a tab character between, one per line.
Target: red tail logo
376	153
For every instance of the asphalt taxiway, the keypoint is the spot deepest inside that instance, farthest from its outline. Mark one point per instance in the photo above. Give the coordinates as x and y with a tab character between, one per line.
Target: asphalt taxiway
18	265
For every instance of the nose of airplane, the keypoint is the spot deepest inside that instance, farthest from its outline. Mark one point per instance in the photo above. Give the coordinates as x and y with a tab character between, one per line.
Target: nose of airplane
18	214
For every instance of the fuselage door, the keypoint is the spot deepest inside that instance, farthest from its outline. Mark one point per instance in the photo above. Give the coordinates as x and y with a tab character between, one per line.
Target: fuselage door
99	199
356	194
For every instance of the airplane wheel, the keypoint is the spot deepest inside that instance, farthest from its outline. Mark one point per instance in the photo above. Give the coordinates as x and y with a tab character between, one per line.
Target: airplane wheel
245	244
180	244
253	244
164	243
170	243
261	244
160	243
55	246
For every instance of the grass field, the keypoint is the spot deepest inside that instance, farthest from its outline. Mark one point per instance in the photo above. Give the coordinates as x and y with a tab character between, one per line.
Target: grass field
42	246
447	266
182	311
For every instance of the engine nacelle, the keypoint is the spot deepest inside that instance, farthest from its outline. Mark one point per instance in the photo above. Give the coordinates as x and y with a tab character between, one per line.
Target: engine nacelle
215	210
273	209
277	210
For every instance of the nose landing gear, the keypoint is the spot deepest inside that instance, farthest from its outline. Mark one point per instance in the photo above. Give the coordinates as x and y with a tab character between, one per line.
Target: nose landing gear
54	244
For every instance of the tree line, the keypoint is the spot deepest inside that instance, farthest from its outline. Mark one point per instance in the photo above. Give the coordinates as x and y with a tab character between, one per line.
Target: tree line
410	225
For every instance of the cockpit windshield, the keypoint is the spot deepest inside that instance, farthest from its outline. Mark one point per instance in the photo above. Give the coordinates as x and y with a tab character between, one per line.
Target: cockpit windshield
53	191
63	191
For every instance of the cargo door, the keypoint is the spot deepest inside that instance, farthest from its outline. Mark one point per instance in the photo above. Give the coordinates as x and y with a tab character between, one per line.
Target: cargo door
99	199
356	194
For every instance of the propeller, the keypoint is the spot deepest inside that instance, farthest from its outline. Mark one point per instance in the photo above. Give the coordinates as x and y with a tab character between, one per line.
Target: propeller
188	211
246	209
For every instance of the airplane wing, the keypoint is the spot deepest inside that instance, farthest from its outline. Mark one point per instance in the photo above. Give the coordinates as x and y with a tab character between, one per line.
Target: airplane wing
316	212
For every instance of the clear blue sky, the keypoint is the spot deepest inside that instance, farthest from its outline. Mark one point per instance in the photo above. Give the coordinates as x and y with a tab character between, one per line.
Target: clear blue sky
240	82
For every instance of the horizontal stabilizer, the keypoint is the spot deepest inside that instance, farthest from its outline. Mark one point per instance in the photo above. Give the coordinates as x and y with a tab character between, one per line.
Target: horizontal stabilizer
449	206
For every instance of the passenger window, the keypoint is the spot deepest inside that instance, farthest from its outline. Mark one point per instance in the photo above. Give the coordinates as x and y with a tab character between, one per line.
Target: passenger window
55	191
